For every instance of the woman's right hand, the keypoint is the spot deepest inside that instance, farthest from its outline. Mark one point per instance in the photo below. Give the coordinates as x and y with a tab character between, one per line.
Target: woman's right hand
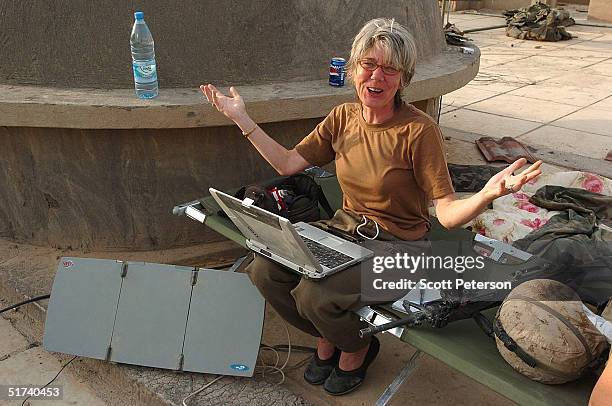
231	106
285	162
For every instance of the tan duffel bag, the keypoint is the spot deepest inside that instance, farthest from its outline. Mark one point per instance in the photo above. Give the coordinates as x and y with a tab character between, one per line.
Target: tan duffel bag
542	331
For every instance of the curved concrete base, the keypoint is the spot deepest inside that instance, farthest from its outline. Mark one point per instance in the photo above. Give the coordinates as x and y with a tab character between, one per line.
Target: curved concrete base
115	189
34	106
101	169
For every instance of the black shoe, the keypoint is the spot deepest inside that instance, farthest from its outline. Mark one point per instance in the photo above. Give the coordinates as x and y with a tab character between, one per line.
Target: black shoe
318	370
341	382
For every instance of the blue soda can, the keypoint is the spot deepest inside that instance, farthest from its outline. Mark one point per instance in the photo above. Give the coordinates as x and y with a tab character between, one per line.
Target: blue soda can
336	71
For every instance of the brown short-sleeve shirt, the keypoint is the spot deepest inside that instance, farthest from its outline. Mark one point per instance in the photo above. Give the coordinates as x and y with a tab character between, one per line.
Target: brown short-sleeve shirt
388	172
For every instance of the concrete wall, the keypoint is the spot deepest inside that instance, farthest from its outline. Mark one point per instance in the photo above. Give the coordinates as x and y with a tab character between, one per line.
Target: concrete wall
504	4
81	44
458	5
600	10
561	3
103	189
115	189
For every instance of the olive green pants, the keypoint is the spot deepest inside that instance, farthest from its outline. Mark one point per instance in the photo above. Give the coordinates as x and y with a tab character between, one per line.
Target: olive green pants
319	308
324	307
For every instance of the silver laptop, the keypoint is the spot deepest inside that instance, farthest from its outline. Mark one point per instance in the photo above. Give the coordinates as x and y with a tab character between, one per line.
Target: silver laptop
307	250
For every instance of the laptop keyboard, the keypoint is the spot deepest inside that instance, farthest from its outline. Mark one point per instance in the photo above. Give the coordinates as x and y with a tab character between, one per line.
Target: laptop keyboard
325	255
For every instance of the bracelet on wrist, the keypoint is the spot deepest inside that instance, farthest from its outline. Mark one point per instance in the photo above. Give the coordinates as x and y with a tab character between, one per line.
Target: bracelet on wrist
251	131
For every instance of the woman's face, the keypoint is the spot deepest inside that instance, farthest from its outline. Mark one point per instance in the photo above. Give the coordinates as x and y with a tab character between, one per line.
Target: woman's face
376	89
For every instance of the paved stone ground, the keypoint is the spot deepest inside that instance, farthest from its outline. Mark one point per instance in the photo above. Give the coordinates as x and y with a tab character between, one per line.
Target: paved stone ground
24	363
538	92
25	268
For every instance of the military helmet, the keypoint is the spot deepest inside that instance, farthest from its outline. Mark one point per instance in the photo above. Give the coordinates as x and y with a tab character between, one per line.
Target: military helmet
542	331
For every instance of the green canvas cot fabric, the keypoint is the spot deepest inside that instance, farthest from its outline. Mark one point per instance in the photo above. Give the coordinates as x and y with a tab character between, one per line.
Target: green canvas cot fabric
462	344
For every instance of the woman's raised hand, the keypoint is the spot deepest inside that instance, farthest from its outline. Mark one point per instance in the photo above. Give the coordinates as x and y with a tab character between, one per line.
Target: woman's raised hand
231	106
505	182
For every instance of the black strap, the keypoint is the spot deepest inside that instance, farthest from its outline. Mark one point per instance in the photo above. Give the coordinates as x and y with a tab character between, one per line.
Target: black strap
562	319
511	345
325	204
484	323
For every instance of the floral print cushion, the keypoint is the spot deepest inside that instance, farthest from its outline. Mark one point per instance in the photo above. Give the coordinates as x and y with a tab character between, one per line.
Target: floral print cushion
513	217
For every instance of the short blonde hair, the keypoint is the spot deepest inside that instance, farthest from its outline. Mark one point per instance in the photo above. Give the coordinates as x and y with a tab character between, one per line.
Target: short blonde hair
394	40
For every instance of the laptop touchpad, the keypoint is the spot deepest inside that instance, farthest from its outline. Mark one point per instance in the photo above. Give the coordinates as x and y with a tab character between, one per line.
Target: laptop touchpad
331	241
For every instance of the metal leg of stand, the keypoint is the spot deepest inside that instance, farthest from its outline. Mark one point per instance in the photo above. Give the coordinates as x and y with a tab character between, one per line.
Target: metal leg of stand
399	379
237	264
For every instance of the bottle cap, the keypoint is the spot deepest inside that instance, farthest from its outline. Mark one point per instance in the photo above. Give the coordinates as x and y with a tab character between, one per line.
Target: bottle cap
139	15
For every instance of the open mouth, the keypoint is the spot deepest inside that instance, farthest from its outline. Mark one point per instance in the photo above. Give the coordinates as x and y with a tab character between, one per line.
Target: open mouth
374	90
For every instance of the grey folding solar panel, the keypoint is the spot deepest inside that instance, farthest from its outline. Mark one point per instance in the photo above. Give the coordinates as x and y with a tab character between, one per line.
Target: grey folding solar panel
82	307
164	316
225	324
151	315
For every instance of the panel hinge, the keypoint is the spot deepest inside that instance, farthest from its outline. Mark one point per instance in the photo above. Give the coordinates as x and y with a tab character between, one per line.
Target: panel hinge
124	268
181	360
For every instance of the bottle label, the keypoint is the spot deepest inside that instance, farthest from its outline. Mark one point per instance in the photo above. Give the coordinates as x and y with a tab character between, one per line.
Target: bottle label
145	72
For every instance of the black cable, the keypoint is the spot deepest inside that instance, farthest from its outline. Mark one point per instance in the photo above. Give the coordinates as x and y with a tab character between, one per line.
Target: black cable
493	27
294	348
51	381
34	299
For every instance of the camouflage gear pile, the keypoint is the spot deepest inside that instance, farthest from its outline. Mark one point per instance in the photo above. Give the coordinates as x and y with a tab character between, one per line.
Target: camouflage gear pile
579	238
454	36
538	22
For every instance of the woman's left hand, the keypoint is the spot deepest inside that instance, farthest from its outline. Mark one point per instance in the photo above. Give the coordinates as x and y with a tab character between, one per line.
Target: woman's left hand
505	182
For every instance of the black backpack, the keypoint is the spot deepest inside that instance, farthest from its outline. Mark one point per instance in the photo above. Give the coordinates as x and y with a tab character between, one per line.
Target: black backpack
296	197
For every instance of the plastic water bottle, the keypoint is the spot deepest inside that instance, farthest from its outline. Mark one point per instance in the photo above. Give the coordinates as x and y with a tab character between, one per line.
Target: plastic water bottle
143	59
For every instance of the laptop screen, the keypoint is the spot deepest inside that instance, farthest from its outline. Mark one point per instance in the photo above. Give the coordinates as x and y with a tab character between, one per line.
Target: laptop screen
265	228
246	210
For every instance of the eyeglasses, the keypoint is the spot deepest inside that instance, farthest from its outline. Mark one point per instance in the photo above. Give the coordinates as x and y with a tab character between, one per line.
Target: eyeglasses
371	66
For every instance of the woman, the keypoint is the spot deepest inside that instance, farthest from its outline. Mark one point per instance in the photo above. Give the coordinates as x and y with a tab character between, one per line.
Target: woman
390	164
